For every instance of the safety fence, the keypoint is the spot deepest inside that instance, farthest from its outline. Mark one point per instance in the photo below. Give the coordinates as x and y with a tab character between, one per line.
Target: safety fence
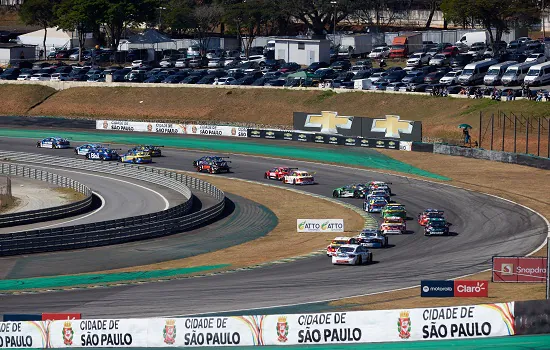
31	216
404	326
163	223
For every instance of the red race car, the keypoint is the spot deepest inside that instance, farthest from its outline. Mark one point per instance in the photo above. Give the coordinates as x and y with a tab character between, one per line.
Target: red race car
278	173
428	214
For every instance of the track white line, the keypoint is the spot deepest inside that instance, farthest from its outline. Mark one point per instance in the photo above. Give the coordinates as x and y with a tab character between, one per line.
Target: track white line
166	202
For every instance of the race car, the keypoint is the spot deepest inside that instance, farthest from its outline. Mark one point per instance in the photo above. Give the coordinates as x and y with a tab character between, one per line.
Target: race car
374	204
352	254
428	214
337	242
299	177
207	159
348	191
393	225
378	193
102	154
394	209
84	149
53	142
136	157
380	185
153	151
372	238
214	166
278	173
436	227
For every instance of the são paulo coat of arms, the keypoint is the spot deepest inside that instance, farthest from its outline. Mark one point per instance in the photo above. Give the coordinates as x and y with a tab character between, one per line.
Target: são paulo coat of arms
282	330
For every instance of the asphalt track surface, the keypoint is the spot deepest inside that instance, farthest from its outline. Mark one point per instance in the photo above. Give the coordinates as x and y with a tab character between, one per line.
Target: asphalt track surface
484	226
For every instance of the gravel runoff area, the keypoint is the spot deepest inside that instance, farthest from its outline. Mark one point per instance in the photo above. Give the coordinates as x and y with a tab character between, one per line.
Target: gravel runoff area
34	194
524	185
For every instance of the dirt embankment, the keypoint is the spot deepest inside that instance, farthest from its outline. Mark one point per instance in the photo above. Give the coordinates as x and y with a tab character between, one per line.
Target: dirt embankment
20	99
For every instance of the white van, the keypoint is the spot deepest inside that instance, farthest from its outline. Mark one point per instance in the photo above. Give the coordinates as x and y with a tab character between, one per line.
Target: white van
516	73
538	74
495	72
474	72
472	37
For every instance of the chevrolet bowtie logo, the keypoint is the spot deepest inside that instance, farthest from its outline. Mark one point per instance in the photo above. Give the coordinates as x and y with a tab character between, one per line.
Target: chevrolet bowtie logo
392	126
328	122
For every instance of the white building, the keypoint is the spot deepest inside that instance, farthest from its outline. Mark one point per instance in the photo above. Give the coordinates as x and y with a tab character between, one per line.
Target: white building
302	51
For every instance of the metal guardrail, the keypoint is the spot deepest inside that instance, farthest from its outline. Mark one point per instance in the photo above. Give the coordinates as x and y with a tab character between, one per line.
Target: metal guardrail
163	223
31	216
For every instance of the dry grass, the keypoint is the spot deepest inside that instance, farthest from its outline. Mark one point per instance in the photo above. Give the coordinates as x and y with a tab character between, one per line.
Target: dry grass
283	241
19	99
521	184
69	194
274	107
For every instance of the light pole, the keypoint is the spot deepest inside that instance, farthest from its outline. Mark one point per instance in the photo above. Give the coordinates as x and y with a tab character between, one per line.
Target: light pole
160	17
334	3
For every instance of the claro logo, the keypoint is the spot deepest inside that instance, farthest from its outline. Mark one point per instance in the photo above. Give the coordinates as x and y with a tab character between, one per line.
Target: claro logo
471	289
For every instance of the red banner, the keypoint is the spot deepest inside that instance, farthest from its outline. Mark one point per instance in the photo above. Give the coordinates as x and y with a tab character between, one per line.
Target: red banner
60	317
471	289
519	269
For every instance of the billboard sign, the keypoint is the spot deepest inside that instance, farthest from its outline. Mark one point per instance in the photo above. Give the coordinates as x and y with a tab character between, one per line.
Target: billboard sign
438	289
519	269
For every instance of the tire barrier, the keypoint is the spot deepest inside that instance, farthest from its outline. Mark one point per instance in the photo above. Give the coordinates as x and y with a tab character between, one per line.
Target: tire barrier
31	216
163	223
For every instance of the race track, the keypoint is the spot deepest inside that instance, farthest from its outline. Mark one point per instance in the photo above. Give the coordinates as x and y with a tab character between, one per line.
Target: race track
484	226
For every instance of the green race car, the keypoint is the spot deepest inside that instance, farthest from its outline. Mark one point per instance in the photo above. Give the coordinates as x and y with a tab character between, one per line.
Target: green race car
350	191
394	210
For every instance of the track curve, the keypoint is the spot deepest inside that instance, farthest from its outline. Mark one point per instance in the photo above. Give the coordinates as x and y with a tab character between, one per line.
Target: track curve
486	226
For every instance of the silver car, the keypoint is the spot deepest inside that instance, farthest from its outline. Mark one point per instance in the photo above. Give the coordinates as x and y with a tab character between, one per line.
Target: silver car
450	78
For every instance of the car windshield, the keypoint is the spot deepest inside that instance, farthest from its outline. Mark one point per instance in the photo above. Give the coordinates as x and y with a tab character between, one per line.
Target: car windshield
416	55
439	56
533	72
511	72
468	72
339	242
398	47
494	71
379	202
346	250
451	74
378	49
437	223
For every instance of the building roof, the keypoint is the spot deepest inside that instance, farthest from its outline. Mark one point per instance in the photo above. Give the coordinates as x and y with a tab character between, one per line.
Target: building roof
301	40
13	45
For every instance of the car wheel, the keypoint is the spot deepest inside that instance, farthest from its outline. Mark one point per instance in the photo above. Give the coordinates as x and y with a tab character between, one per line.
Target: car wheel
356	194
265	176
359	260
38	145
134	160
294	182
335	194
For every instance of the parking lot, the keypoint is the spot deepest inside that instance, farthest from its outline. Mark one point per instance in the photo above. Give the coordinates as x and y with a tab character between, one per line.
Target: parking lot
437	69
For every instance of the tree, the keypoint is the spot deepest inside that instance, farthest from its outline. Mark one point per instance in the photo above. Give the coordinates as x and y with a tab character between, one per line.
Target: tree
493	14
178	16
380	12
433	5
206	18
117	15
319	15
80	16
40	13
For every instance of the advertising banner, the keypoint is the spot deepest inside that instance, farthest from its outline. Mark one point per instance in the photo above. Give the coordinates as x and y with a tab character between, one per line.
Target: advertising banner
99	333
60	316
23	334
469	289
384	127
405	146
320	225
532	317
204	331
437	289
171	128
519	269
462	322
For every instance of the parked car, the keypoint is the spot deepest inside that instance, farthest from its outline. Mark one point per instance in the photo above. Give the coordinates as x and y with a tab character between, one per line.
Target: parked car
418	59
40	77
59	77
223	81
536	57
451	78
289	67
341	65
10	74
380	52
24	76
316	65
414	77
440	59
394	76
325	73
395	86
451	50
433	78
460	60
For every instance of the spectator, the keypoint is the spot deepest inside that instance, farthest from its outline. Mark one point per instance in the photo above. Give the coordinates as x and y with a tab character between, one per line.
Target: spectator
445	92
382	63
510	95
539	96
547	96
466	134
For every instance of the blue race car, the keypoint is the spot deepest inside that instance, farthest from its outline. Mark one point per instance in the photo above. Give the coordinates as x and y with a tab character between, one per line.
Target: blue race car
153	151
372	238
208	159
84	149
102	154
374	204
53	142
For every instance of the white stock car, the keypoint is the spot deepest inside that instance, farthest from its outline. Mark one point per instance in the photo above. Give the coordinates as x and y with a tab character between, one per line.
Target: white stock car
85	149
372	238
299	177
352	254
53	142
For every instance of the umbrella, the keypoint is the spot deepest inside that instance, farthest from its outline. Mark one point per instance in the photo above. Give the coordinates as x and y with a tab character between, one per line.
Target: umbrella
465	126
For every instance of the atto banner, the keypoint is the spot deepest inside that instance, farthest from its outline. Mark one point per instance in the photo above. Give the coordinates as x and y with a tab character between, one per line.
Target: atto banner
98	333
320	225
519	269
23	334
171	128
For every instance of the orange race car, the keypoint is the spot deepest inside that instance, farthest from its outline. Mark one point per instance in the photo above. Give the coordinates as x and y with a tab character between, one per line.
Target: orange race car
337	242
393	225
428	214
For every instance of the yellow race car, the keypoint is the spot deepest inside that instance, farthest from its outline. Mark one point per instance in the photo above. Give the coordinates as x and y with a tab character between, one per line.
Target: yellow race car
136	157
